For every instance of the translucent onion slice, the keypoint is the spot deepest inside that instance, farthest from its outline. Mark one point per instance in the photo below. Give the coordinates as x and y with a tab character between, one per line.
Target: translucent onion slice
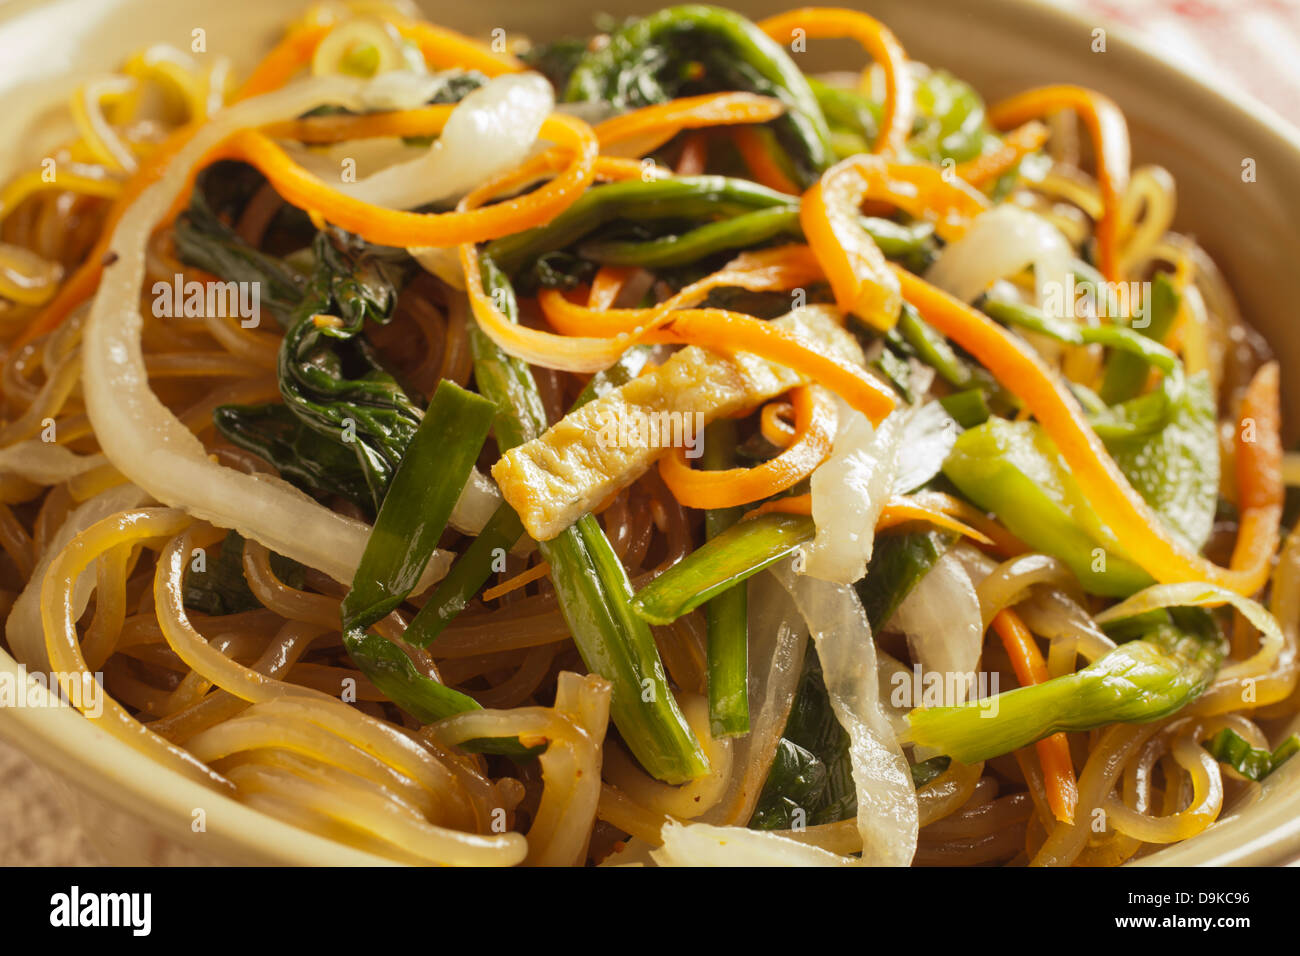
848	491
702	844
141	437
999	244
491	131
888	818
941	618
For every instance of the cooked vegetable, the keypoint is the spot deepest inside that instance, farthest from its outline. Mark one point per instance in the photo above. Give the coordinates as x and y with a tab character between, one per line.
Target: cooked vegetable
1014	470
424	490
1126	373
636	201
205	241
726	614
302	455
467	576
810	782
330	378
591	584
738	232
1166	665
603	446
723	561
1228	746
898	563
1054	751
219	587
648	61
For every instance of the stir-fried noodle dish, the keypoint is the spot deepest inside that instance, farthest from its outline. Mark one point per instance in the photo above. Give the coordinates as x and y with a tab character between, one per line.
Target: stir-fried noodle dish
642	447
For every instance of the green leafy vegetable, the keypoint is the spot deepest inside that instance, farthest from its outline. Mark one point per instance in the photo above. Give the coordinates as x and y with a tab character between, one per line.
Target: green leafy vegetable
308	459
330	377
220	587
414	514
695	48
898	562
811	780
203	240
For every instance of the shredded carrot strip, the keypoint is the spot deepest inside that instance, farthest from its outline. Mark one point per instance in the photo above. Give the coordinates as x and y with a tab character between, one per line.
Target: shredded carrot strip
287	57
1053	751
695	155
989	166
536	572
715	329
1109	134
857	269
774	426
1140	532
901	509
391	227
607	284
1000	539
762	164
789	505
878	41
444	49
815	418
1257	466
767	270
645	130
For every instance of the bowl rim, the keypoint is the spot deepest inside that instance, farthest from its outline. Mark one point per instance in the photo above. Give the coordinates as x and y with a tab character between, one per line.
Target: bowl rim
89	759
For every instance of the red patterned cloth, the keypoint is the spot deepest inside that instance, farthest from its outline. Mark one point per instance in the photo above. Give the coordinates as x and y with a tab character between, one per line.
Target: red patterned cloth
1249	45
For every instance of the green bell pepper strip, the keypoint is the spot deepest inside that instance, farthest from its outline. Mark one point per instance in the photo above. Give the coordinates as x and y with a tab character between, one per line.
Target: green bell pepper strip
1126	372
848	111
1014	470
649	60
735	555
1231	748
590	582
1164	441
414	514
726	615
1138	682
968	408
